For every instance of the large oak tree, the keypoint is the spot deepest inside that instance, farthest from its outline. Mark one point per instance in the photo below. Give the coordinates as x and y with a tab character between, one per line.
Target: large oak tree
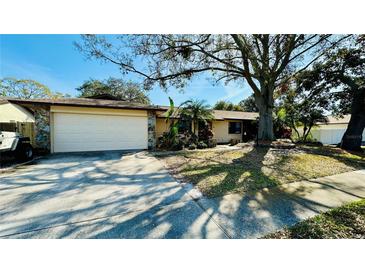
262	61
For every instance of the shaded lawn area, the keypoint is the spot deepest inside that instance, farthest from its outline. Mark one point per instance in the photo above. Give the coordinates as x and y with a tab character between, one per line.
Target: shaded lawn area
346	222
219	172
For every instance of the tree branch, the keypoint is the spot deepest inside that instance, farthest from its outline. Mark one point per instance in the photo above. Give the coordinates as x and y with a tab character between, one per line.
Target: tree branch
247	74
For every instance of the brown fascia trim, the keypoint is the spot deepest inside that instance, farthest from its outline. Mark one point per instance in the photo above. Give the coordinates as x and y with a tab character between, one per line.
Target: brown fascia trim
23	103
215	119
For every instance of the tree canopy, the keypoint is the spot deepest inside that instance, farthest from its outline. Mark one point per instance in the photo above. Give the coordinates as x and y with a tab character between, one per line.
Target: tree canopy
249	104
262	61
224	105
118	88
25	89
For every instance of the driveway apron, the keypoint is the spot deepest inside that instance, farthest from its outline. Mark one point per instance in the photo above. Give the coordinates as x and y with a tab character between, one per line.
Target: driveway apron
99	195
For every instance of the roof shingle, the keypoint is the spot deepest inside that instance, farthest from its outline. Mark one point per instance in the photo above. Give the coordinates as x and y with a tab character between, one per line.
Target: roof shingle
83	102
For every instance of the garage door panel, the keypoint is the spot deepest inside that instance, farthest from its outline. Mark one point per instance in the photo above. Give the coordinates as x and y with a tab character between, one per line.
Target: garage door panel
87	132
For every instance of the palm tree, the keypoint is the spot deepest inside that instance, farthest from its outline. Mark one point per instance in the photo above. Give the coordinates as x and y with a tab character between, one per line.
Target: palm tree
196	111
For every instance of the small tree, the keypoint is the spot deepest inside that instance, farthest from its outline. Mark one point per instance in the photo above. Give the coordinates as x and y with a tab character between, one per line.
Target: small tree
299	107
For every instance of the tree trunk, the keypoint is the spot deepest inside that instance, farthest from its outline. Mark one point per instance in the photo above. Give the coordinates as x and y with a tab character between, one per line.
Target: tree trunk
307	133
304	132
265	106
296	131
352	138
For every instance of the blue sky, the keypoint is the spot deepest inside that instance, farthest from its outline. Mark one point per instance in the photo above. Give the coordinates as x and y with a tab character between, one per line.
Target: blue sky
54	61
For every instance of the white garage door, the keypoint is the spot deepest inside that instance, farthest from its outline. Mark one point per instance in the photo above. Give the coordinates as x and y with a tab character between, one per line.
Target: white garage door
89	132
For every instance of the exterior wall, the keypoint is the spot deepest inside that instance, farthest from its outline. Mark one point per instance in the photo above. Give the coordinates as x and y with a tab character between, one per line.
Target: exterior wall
42	128
151	130
11	112
220	130
161	126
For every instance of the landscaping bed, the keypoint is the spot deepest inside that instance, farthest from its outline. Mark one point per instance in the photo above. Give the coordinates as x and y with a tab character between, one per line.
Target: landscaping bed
346	222
217	172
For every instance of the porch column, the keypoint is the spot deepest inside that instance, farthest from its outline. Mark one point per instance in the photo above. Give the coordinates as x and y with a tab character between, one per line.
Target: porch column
42	128
151	129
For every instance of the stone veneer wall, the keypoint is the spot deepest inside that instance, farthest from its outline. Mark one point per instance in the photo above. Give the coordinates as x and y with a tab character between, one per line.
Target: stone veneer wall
151	129
42	128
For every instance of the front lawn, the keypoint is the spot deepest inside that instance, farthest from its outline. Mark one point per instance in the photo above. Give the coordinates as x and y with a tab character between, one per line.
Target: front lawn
219	172
346	222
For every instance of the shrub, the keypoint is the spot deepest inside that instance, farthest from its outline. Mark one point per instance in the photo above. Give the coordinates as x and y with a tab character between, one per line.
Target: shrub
205	133
193	139
192	146
170	140
202	145
212	143
234	142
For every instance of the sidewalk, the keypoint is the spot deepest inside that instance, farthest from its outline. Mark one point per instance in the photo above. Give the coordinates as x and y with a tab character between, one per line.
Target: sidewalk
255	215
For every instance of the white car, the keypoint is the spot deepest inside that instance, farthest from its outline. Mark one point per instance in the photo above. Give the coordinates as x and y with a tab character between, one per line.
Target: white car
13	143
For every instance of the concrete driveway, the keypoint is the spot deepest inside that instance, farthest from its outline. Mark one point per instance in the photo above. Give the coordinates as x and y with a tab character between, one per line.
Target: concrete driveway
131	195
99	195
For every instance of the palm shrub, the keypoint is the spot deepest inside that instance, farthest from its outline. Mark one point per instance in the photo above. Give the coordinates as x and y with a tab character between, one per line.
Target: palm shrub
196	111
189	112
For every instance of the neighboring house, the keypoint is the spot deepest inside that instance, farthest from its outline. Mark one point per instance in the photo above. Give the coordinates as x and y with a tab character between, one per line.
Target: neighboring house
332	132
85	124
16	118
12	113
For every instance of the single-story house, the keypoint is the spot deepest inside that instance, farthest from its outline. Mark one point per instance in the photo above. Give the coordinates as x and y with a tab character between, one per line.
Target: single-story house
226	125
332	131
89	124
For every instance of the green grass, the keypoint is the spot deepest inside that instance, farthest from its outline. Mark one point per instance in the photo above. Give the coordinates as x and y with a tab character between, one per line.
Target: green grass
217	172
346	222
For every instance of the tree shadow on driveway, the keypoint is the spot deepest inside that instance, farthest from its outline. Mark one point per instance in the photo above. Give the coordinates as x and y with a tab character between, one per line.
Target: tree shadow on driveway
117	195
99	195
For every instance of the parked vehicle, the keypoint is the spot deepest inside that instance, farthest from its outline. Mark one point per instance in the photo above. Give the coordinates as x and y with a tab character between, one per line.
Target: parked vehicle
14	144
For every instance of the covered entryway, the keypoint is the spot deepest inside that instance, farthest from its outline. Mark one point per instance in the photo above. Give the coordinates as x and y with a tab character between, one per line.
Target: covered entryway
98	132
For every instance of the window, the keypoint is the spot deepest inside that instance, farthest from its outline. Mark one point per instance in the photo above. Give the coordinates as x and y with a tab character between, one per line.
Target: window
184	126
234	128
